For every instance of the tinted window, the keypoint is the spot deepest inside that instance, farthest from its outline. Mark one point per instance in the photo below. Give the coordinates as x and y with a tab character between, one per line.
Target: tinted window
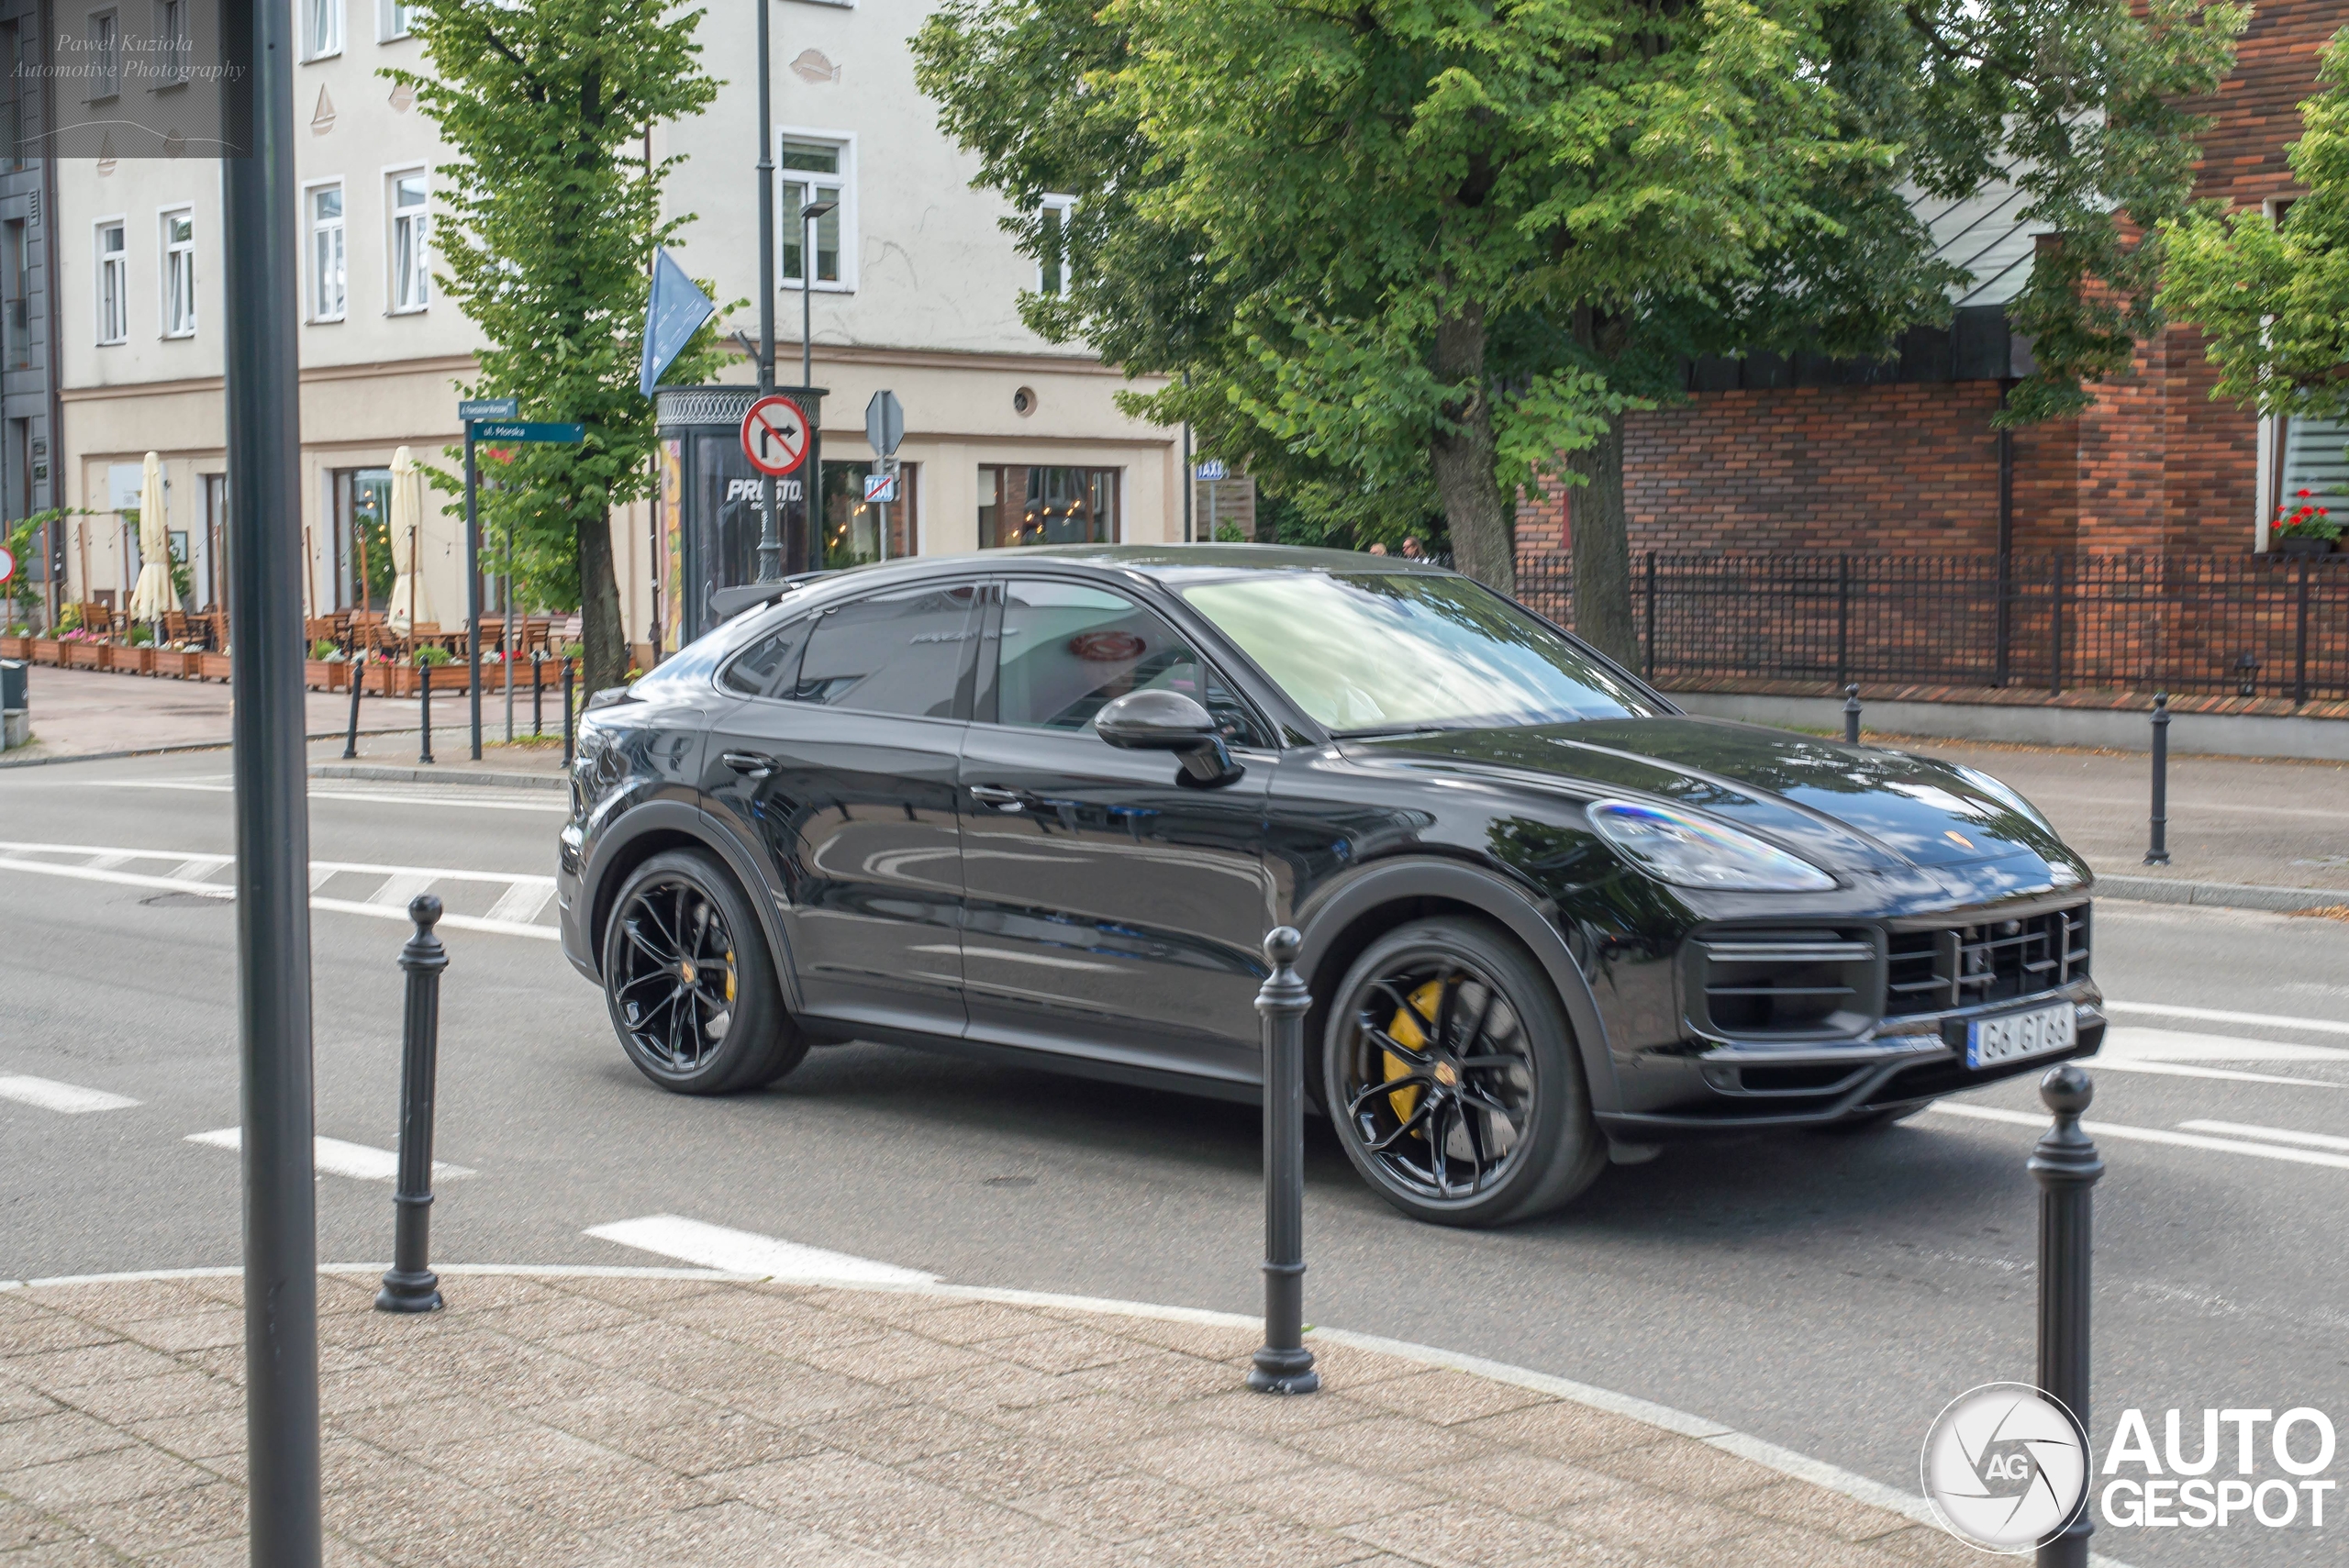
899	653
771	663
1067	650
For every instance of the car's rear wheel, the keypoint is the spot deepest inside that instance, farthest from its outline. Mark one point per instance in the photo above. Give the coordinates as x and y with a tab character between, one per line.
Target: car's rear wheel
692	991
1451	1073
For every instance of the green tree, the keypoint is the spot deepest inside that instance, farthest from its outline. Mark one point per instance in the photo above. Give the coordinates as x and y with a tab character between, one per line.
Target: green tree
2273	298
1412	252
549	217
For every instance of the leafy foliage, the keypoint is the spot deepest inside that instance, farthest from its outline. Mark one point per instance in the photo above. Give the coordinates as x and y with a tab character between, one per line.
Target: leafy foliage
2273	298
1410	251
549	217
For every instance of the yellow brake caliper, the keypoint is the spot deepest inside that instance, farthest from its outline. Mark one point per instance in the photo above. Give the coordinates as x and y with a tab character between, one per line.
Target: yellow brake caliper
1405	1030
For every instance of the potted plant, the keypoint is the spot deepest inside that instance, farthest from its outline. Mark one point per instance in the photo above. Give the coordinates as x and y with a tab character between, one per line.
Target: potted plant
211	665
81	651
2303	527
323	670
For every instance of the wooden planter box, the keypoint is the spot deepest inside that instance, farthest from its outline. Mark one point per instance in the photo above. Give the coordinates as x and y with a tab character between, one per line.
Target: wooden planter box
15	647
179	663
44	651
211	666
128	660
324	674
83	655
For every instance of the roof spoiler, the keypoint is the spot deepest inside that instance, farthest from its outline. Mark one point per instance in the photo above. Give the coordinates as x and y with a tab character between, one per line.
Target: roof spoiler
728	603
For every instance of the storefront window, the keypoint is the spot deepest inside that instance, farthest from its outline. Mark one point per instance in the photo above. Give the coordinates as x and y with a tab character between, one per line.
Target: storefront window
1019	504
363	537
853	524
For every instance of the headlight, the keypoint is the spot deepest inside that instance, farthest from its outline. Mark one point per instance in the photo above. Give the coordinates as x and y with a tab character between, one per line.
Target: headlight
1689	851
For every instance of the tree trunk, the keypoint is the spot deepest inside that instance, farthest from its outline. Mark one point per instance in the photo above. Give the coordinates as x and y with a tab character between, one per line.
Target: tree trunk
1602	549
600	629
1462	459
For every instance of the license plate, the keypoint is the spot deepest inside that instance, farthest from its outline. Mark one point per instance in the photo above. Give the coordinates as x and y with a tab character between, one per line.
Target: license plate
1990	1042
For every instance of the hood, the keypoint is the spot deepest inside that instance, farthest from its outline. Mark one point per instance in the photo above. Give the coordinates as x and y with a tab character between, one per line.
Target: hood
1844	808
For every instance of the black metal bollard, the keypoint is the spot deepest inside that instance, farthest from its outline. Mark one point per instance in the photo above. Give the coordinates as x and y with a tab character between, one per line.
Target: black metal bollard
411	1285
537	711
1850	715
1284	1366
568	738
357	665
2157	852
2067	1167
424	700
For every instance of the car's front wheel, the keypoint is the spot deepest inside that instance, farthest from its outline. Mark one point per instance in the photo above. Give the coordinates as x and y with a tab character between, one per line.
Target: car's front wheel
1451	1073
692	991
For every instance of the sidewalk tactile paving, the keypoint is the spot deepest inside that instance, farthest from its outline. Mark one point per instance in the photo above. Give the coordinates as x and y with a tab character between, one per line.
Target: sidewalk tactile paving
614	1422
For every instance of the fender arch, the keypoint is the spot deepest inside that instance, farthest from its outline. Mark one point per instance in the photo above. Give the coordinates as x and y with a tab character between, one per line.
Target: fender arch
1339	921
644	831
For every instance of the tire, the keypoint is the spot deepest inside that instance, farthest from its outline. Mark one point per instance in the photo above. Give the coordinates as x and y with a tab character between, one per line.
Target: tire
1516	1137
1875	1121
689	983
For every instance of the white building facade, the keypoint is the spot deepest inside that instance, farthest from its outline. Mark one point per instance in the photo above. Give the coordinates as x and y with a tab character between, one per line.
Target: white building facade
1009	439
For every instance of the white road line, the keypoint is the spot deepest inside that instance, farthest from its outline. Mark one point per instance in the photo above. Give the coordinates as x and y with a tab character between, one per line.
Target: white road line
746	1252
51	1095
335	906
523	901
2118	1133
398	888
109	859
2129	1042
2218	1016
437	873
200	867
464	799
2273	1134
2180	1070
338	1158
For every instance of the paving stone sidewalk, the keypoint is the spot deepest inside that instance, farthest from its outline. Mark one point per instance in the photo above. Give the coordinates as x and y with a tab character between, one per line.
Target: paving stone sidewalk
634	1421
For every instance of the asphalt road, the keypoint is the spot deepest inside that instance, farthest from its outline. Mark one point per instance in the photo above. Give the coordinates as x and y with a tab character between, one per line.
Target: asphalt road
1827	1294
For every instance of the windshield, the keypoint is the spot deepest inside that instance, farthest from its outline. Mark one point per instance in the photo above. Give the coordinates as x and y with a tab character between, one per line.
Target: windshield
1374	653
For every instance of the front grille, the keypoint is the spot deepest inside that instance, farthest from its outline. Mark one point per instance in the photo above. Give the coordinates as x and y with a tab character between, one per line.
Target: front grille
1996	961
1789	983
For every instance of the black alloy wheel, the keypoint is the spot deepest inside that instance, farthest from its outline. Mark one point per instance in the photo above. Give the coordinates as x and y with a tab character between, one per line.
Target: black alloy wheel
686	977
1451	1074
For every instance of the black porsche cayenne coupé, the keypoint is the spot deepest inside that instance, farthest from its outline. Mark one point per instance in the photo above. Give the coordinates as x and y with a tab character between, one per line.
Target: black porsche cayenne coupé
1044	804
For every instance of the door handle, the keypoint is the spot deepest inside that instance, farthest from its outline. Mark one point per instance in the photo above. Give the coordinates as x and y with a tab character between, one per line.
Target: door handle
749	764
997	796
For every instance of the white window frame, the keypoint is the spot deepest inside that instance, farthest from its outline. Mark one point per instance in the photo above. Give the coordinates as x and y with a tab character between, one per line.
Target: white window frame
310	231
110	85
163	218
1063	206
393	304
118	264
391	20
328	12
172	29
788	211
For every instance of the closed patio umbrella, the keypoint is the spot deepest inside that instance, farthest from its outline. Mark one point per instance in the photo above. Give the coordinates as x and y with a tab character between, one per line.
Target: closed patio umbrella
151	595
411	600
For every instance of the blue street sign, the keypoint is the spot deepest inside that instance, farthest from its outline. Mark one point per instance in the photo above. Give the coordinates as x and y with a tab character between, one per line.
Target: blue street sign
1212	470
471	408
528	431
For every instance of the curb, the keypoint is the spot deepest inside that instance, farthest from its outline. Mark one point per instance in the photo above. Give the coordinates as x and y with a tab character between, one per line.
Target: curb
2221	895
1769	1455
392	774
173	751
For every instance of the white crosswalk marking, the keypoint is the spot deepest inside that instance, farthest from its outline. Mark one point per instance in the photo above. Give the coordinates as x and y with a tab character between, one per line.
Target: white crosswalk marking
199	868
2102	1130
51	1095
2273	1134
399	887
522	901
747	1253
332	1155
2220	1016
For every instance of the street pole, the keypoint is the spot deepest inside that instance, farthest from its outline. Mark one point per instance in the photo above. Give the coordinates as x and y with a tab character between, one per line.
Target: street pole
1283	1365
770	527
472	584
273	903
2158	852
2067	1167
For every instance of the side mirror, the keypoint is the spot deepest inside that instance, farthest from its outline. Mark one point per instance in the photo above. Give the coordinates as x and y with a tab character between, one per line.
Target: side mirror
1169	721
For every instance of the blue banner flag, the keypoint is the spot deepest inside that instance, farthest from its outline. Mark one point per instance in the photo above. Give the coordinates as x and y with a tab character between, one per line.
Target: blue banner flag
672	317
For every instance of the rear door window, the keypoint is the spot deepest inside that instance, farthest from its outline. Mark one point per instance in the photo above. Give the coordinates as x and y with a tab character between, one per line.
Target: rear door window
901	652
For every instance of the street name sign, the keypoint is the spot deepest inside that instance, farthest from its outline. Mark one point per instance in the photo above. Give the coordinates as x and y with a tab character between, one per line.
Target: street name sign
469	410
495	431
774	435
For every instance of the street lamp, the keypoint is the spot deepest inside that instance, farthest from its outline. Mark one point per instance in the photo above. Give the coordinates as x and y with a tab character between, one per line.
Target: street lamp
808	217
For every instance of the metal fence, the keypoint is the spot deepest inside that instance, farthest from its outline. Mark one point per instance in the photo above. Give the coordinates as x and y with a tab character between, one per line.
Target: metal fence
2237	625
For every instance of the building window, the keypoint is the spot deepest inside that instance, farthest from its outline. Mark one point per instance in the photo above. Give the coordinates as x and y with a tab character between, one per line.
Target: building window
2314	460
362	538
328	294
321	28
1019	505
173	43
391	19
816	171
106	55
179	274
851	525
114	283
411	266
1051	265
